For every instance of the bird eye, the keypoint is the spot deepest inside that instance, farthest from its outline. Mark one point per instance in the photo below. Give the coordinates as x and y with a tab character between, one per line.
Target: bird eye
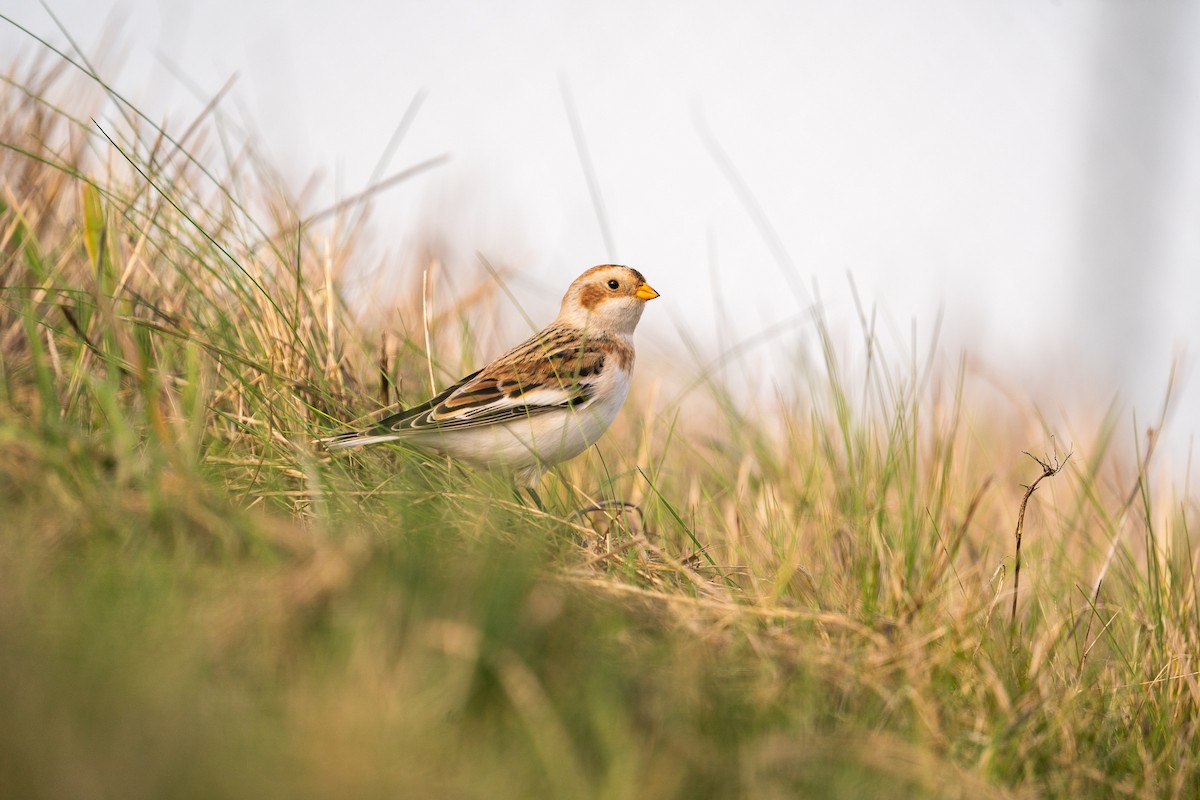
613	284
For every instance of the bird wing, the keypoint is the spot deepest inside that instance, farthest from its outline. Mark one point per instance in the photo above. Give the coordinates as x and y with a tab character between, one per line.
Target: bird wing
554	370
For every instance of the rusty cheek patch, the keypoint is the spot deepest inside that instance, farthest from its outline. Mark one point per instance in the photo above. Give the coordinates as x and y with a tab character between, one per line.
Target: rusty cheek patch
590	296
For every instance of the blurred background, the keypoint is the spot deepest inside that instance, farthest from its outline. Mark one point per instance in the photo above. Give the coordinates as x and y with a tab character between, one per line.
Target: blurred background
1020	180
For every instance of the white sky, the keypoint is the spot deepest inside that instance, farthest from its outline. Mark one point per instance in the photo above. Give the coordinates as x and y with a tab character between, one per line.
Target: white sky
946	154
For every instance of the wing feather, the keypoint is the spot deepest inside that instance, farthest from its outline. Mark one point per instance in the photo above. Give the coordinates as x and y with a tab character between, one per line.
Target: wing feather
554	370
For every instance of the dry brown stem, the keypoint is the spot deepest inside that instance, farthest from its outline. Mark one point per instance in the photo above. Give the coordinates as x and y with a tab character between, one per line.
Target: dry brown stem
1050	468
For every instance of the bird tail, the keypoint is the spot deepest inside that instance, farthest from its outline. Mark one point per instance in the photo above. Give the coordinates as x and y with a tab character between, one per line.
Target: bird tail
344	441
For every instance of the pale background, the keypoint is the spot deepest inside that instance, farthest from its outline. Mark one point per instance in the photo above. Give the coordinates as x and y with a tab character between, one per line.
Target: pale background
1029	169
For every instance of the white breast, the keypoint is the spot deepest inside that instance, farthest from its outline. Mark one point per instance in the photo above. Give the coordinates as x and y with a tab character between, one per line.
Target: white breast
539	441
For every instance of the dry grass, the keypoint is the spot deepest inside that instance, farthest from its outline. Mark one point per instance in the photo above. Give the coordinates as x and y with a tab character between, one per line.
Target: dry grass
198	603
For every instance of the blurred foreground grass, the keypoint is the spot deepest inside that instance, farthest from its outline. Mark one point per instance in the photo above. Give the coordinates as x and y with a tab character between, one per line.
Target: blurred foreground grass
812	601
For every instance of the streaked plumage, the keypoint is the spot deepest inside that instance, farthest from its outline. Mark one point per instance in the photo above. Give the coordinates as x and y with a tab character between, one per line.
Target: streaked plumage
542	402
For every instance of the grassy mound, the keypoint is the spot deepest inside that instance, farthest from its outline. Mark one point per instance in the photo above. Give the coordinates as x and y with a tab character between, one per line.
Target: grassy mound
812	597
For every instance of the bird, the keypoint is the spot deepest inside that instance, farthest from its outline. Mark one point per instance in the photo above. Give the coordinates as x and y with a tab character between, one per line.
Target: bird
544	401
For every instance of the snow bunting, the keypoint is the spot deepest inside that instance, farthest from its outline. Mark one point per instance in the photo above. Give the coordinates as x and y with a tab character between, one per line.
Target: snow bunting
542	402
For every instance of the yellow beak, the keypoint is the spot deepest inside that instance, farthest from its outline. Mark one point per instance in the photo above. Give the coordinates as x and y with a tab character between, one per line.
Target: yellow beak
644	292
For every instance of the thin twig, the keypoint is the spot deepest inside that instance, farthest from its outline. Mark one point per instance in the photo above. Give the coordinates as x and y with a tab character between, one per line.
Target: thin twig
1050	468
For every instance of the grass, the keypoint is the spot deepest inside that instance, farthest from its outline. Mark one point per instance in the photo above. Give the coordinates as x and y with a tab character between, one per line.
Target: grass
811	598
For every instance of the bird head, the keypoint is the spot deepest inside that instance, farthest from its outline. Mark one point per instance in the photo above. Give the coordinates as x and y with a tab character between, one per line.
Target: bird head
608	299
